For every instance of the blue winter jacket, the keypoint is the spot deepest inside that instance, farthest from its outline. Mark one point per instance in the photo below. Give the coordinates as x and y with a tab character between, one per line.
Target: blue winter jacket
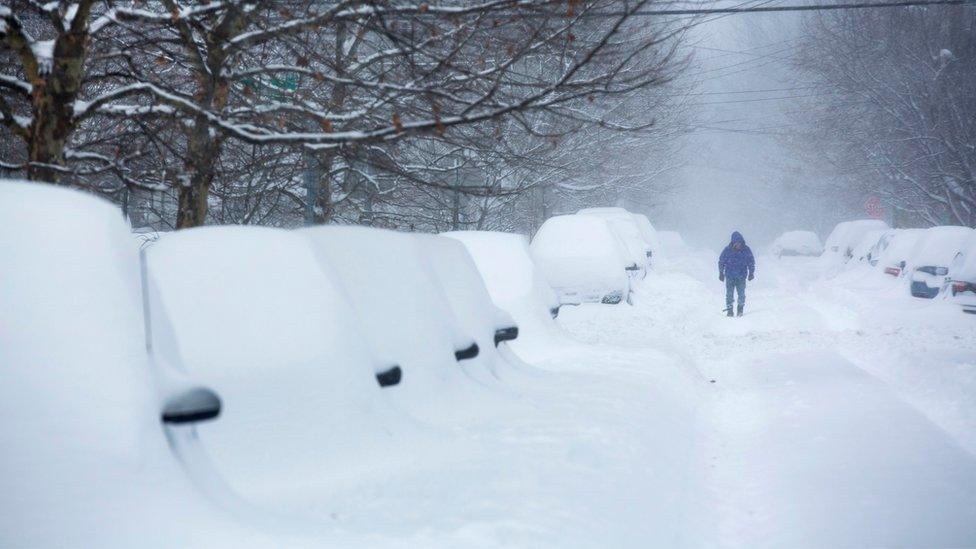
736	263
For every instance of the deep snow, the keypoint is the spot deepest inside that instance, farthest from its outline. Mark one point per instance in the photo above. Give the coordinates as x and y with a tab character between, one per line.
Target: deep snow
841	414
838	412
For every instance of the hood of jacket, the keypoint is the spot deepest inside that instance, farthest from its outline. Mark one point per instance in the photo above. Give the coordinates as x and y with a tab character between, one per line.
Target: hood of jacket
737	237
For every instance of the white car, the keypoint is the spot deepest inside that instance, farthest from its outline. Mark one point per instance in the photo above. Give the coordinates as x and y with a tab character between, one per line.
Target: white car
864	250
396	294
459	279
93	425
961	288
513	281
250	311
627	230
791	243
650	235
895	255
935	253
583	260
839	246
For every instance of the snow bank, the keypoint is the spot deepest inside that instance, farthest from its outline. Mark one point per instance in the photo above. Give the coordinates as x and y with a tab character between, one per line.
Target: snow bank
796	243
582	259
672	242
517	286
85	462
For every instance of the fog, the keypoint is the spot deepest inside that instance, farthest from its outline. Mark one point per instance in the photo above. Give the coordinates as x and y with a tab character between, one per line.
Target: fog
738	171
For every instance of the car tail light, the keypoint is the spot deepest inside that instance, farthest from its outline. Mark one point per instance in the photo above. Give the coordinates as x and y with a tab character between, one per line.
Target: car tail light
893	271
960	286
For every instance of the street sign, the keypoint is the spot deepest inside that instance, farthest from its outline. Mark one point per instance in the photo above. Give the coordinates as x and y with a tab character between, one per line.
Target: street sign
873	207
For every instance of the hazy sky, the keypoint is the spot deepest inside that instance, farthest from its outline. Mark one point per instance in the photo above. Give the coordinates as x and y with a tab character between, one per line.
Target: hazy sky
735	166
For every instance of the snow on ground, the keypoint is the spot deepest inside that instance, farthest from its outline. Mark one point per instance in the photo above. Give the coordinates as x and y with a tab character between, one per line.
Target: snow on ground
842	411
837	412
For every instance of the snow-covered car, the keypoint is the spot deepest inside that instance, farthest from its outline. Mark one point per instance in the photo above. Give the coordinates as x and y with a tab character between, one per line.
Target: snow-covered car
866	248
623	224
406	316
89	417
961	288
582	259
650	235
894	257
847	234
250	311
938	249
513	281
790	243
874	253
459	279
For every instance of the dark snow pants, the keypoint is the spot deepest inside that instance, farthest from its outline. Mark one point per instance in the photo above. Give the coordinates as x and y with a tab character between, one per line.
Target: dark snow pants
735	285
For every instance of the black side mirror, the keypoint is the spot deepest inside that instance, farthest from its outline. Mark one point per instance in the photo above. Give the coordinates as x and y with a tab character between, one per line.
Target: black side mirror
191	406
505	334
554	312
466	353
389	378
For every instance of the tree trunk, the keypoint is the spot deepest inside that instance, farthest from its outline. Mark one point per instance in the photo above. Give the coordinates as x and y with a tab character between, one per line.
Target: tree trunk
202	151
57	82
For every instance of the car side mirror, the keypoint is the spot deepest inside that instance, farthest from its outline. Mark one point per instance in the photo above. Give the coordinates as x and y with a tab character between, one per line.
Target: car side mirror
554	312
467	352
389	378
191	406
506	334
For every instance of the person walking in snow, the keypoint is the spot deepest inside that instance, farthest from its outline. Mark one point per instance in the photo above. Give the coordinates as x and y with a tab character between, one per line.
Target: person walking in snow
735	266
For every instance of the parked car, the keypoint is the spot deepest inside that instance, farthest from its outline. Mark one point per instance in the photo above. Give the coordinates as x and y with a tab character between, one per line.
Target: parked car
961	288
839	246
938	249
623	224
514	282
650	235
89	418
864	249
894	257
582	259
796	243
459	279
251	311
406	316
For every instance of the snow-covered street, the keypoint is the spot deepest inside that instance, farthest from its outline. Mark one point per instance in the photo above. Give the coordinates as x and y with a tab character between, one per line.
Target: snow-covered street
820	418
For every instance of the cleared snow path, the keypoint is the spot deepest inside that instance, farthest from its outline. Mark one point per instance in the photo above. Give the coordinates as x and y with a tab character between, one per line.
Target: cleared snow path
833	420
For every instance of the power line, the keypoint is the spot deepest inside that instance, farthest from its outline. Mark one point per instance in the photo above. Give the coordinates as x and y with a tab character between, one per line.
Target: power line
766	9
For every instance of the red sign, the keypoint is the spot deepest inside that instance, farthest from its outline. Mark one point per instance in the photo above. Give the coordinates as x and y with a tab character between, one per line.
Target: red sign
873	207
